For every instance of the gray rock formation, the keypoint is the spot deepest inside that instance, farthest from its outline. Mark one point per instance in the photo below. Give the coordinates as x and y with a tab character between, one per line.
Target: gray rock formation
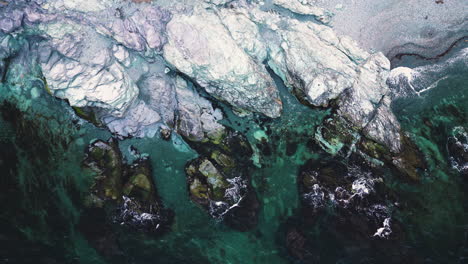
197	117
202	48
305	8
123	58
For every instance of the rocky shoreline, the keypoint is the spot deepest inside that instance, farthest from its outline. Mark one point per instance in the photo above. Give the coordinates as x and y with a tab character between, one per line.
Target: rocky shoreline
183	72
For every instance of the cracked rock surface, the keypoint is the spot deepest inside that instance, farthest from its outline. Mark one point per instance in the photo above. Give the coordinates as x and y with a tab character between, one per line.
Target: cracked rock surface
123	60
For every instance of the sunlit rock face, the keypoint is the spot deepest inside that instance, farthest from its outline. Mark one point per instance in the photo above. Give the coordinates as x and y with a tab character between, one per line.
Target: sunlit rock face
305	8
122	59
200	47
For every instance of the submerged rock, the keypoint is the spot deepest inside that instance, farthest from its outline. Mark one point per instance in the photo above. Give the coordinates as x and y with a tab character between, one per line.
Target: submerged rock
350	205
457	146
219	180
121	195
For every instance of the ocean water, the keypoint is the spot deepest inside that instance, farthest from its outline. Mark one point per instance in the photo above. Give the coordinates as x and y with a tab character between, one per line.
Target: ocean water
42	145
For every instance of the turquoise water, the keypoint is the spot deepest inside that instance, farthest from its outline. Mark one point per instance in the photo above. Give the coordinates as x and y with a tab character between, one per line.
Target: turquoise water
40	196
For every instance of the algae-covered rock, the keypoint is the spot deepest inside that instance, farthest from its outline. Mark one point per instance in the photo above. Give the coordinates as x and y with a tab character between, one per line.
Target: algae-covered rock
106	160
128	188
380	141
121	195
206	182
408	162
87	114
336	135
219	180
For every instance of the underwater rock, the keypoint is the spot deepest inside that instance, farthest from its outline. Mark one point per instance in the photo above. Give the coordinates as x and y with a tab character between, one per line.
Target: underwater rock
129	187
295	243
219	180
33	148
122	195
350	204
457	146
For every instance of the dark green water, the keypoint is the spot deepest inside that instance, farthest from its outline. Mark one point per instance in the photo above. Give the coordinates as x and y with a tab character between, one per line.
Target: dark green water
42	181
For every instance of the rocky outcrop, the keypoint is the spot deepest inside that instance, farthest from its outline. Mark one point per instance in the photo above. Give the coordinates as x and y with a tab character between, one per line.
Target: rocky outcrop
333	71
121	195
349	204
198	119
74	72
200	47
219	180
222	48
305	8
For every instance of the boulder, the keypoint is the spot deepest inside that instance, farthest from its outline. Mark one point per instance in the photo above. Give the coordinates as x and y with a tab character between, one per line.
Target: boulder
219	180
200	47
121	196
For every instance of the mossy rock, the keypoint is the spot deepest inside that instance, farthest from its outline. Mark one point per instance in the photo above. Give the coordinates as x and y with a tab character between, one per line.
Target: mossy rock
224	156
46	86
204	172
138	186
125	192
335	134
374	149
105	159
410	161
199	190
223	160
93	201
87	114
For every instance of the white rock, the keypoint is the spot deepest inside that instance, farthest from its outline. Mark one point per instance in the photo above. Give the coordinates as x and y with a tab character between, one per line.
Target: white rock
245	33
304	8
135	122
197	118
201	47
